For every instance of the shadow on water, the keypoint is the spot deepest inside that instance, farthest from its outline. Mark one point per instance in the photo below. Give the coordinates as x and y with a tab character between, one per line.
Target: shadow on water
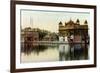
73	52
66	51
37	48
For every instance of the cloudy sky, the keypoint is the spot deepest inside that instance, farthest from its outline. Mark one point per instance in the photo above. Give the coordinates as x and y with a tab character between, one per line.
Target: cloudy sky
49	20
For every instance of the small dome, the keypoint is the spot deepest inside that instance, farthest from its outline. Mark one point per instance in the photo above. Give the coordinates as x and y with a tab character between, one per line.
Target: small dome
77	21
70	22
60	23
85	22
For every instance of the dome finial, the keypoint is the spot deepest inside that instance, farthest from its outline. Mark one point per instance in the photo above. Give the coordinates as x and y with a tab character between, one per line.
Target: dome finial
60	23
70	18
77	21
85	22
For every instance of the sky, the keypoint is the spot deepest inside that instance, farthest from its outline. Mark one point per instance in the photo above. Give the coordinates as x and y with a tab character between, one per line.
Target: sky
49	20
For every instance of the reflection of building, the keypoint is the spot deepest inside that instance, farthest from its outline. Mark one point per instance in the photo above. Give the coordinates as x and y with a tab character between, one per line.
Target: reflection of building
28	35
64	52
73	30
77	51
50	37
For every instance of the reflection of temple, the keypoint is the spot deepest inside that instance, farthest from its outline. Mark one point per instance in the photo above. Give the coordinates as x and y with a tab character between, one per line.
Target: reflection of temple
73	52
74	30
28	35
64	52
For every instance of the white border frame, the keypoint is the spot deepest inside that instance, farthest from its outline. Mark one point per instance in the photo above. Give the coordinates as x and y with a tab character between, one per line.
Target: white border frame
53	64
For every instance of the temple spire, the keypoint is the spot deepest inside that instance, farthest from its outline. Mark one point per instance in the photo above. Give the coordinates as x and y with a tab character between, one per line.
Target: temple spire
31	22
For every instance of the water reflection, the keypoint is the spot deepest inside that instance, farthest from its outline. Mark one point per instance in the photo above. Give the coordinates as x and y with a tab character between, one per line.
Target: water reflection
54	52
64	52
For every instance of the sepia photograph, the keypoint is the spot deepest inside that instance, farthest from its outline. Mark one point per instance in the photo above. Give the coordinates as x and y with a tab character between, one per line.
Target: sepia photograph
54	35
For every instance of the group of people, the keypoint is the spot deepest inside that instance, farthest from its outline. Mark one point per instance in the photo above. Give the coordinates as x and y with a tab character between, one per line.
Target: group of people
71	38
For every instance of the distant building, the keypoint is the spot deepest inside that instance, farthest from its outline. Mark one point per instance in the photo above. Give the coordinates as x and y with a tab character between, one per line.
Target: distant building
50	37
28	35
75	29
